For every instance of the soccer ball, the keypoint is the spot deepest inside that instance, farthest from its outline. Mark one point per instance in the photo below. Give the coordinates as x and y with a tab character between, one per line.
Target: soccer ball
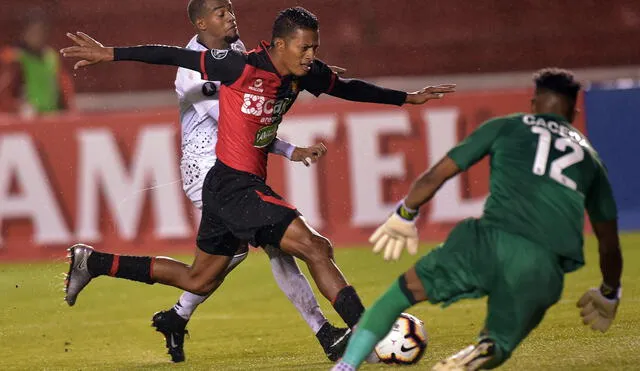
405	343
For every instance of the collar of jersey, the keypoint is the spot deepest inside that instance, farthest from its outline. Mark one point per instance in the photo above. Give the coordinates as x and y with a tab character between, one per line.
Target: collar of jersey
554	116
264	46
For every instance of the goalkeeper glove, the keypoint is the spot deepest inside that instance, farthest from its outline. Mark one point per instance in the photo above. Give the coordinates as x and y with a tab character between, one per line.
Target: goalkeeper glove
398	232
599	306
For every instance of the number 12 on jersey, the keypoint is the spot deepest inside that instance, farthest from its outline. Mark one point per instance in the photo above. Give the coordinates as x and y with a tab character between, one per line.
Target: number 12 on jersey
559	164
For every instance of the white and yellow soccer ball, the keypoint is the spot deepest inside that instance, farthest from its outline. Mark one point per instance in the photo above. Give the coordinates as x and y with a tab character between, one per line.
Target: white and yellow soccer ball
405	344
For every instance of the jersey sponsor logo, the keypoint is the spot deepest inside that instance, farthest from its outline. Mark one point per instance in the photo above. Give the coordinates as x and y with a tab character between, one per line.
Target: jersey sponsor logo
253	104
258	105
257	86
219	53
265	136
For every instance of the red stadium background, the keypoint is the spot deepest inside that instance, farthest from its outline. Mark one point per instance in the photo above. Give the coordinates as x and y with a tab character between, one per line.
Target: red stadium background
369	37
113	180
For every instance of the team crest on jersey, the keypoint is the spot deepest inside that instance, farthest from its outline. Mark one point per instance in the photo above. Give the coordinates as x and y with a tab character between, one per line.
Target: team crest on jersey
219	53
209	89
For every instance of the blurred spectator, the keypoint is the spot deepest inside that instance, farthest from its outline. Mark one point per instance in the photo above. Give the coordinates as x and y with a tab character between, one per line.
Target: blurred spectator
32	80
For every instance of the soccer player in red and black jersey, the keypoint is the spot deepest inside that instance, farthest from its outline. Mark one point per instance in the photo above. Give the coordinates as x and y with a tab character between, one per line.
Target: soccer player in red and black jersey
257	89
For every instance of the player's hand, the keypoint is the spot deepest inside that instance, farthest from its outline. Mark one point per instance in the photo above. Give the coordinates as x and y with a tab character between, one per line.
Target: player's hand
394	235
338	70
430	92
309	155
596	310
88	50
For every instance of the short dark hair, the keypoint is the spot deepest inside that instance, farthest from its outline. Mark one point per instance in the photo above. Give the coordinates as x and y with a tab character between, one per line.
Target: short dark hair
291	19
196	9
558	81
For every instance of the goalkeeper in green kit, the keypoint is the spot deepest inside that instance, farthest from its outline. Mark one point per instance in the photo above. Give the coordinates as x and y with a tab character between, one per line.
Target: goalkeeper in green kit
544	174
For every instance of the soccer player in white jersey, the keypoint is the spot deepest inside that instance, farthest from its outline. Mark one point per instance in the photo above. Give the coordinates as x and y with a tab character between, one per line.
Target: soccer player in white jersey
199	110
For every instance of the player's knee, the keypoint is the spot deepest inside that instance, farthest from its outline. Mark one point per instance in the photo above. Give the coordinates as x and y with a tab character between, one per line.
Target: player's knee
203	285
204	288
318	248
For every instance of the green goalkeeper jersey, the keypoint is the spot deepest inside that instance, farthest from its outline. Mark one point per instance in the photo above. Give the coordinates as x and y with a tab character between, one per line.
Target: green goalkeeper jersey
544	173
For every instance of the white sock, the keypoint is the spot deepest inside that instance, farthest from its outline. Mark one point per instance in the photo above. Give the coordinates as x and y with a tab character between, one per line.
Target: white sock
188	302
296	286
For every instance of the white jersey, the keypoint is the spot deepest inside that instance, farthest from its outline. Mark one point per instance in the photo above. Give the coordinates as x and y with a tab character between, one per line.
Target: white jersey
199	112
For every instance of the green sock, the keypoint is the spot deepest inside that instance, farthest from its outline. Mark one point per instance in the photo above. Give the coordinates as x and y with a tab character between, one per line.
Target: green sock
375	324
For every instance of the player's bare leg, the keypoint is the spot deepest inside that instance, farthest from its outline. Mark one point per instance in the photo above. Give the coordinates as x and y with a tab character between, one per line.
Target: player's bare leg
205	274
301	241
201	278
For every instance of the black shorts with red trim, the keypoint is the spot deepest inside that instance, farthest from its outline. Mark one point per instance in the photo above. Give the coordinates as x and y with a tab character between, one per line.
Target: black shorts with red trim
240	207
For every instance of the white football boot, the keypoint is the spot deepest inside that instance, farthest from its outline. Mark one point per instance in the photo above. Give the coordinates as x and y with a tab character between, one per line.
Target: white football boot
468	359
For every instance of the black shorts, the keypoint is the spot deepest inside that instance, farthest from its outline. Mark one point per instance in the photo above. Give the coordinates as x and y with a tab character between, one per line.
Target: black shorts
240	207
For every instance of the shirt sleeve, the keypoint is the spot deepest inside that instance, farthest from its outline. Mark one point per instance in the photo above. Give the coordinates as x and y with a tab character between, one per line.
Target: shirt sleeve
477	145
321	79
225	65
600	202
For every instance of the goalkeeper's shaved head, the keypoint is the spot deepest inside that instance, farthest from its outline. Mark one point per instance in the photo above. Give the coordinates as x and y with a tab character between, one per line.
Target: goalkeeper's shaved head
556	92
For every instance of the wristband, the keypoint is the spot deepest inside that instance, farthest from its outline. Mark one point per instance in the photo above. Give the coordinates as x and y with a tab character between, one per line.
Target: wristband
406	213
609	292
280	147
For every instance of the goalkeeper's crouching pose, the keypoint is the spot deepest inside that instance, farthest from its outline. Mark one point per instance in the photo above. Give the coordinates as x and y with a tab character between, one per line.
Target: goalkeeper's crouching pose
544	173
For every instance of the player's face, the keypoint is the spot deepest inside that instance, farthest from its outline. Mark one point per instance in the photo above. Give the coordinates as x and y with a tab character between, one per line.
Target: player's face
299	51
220	21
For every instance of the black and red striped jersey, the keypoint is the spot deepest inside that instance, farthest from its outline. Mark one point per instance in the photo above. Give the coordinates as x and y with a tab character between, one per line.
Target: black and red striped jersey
254	96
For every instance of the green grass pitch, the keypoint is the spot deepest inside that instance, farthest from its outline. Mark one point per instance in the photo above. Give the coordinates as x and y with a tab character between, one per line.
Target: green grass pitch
249	325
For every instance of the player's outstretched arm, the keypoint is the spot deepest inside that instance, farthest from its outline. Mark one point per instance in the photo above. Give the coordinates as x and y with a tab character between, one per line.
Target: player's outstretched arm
324	79
598	306
90	51
362	91
225	66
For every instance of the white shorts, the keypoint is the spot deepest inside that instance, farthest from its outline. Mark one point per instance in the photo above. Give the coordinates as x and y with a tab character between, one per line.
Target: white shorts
194	170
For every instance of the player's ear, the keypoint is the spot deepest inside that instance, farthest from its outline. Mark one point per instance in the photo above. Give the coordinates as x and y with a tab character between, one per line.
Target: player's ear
201	24
279	43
